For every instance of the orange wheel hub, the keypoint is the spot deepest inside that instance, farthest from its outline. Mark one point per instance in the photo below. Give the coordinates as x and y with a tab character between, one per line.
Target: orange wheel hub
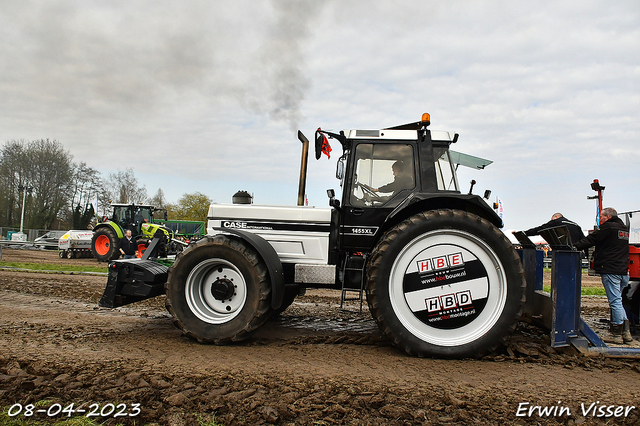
102	245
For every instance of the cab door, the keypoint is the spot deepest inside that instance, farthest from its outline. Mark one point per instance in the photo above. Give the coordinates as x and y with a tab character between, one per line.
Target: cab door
380	176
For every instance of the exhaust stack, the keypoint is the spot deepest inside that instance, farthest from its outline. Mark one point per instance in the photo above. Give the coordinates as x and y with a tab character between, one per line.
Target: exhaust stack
303	168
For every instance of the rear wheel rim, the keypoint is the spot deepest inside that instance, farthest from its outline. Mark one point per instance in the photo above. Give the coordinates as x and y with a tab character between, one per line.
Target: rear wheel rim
409	306
103	243
198	291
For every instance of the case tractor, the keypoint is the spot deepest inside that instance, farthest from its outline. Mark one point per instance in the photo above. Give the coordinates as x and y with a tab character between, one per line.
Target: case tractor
440	277
135	217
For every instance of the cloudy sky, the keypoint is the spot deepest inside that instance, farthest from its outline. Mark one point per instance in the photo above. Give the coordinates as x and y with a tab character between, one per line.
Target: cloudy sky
208	95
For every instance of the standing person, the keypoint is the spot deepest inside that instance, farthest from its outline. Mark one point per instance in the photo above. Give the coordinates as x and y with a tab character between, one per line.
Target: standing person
611	261
558	220
128	246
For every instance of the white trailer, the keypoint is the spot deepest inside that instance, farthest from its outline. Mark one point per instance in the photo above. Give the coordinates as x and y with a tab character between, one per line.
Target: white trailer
75	244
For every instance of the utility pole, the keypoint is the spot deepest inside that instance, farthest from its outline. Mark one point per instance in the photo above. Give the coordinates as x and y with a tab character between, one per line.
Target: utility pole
24	196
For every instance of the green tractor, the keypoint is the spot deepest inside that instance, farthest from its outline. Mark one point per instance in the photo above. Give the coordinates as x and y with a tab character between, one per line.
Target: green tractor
139	219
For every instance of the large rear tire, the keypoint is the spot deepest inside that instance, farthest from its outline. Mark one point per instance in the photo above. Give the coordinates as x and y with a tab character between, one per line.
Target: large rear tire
218	291
445	283
104	245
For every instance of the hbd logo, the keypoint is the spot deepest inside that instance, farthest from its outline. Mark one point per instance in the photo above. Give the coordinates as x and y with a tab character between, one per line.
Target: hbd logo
449	301
441	262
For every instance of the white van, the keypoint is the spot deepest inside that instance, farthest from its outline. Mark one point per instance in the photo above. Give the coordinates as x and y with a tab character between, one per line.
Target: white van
49	240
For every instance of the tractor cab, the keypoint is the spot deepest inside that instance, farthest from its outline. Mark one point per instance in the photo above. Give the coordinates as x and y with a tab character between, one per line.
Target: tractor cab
132	216
390	174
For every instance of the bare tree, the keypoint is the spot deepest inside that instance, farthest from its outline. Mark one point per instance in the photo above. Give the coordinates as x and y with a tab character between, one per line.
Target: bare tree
44	167
122	187
85	186
49	173
159	201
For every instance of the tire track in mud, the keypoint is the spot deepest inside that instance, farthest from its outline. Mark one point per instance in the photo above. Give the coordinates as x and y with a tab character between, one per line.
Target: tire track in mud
69	320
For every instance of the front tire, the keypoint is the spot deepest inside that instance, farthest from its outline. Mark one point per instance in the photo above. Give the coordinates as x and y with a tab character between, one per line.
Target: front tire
218	291
445	283
104	245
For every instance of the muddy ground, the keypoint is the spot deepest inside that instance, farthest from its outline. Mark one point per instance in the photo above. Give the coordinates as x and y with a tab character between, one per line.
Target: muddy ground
315	364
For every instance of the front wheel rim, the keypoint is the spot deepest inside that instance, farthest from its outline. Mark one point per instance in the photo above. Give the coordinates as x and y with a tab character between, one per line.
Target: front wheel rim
199	296
102	244
422	310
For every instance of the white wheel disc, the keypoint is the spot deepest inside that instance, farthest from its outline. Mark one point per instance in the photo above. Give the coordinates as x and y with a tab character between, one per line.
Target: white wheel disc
199	296
447	287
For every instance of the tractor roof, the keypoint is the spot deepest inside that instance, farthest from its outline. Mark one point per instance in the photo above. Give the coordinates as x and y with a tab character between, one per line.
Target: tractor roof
131	205
436	135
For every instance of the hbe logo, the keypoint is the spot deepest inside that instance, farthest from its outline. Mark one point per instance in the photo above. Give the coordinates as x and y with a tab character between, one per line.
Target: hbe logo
441	262
449	301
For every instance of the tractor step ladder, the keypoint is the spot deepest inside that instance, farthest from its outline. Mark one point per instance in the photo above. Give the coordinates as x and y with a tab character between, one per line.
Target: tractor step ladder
351	270
559	311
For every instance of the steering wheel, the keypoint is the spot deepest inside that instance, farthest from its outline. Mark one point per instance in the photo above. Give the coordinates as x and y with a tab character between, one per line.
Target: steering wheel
366	189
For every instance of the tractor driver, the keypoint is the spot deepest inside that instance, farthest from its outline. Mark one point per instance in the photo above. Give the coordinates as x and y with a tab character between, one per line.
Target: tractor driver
401	179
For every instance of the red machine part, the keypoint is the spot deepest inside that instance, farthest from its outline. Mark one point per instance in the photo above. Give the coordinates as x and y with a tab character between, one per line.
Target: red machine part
634	262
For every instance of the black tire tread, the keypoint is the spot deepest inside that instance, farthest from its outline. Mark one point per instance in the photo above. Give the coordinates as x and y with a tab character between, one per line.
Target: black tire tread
378	257
259	317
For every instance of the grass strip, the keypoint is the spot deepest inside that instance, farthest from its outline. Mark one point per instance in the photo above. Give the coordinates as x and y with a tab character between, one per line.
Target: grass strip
49	267
585	291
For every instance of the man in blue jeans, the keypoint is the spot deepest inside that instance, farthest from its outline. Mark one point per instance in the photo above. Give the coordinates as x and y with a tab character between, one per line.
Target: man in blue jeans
611	261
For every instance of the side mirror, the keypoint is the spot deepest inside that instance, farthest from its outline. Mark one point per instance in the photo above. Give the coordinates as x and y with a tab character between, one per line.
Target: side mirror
340	168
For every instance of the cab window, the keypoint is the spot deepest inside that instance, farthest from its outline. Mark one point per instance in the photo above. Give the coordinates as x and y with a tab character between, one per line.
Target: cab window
122	215
445	173
382	174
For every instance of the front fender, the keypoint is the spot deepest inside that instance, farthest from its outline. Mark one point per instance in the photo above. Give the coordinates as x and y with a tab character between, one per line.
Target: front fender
418	202
112	225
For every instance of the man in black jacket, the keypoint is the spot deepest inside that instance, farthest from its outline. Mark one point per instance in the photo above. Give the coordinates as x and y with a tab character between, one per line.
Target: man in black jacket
558	220
128	246
611	261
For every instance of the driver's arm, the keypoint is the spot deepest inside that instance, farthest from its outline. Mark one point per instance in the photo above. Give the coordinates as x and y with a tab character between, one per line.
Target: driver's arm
369	188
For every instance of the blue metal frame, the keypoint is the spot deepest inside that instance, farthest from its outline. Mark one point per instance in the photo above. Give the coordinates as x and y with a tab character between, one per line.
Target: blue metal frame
566	281
560	310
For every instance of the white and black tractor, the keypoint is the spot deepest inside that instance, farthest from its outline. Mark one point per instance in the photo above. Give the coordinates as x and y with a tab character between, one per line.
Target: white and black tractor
440	277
